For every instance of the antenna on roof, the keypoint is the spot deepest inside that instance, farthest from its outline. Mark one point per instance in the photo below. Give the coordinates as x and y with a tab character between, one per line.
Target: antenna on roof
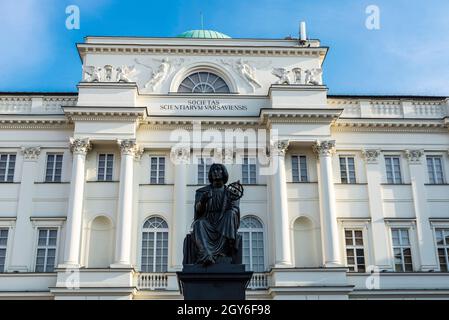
303	33
202	21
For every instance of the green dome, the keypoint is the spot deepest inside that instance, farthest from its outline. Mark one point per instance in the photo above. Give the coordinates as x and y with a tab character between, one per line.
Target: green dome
203	34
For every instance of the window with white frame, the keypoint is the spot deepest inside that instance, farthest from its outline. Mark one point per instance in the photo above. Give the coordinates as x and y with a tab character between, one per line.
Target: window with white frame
355	250
54	167
3	246
204	165
347	169
442	238
251	230
7	165
393	167
299	168
435	169
249	171
154	256
105	166
157	172
46	249
402	250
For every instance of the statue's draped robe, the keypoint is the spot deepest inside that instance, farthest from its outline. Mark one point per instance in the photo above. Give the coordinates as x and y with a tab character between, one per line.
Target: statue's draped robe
216	225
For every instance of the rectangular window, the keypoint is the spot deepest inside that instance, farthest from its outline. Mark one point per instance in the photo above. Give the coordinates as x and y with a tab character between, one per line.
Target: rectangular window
46	250
402	250
54	168
157	175
105	166
7	165
393	166
3	245
442	238
355	251
249	171
435	169
299	169
347	170
203	170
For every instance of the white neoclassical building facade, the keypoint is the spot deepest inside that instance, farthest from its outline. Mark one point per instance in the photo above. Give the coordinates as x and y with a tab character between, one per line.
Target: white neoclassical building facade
345	197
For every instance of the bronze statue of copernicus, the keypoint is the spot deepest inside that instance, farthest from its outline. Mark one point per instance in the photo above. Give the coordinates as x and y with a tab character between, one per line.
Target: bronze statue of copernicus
216	220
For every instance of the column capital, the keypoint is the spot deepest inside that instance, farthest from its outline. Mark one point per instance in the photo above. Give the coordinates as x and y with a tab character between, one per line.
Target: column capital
80	146
279	147
138	153
371	155
180	154
31	153
128	147
414	156
324	148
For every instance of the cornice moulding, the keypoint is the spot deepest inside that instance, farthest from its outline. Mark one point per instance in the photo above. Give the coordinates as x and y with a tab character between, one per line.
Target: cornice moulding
32	121
377	124
109	85
105	113
296	87
299	115
199	49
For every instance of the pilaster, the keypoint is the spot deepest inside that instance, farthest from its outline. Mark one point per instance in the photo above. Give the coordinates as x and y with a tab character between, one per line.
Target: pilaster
417	165
23	233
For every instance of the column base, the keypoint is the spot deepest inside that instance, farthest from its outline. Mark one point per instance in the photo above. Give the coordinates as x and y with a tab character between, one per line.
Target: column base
333	264
379	268
18	269
175	268
283	265
69	266
118	265
430	268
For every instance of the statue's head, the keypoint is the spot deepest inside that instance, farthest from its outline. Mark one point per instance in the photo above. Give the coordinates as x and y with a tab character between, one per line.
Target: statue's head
218	172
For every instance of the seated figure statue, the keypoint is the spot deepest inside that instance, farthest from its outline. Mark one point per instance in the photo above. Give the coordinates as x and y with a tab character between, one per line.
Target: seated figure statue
216	220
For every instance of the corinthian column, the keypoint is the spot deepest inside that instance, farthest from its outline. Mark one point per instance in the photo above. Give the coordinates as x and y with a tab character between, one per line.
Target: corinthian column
280	206
128	149
180	157
79	148
329	226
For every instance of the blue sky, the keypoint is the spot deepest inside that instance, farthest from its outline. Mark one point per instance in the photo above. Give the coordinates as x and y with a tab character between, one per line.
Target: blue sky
408	55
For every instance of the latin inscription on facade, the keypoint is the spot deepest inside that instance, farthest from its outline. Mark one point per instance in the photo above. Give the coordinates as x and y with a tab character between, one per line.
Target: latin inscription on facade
203	105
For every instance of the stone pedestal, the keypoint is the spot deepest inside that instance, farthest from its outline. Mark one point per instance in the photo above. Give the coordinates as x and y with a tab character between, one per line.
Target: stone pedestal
215	282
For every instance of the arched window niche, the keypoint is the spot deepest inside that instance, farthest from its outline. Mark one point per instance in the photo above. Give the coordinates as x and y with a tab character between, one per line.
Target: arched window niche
100	243
305	235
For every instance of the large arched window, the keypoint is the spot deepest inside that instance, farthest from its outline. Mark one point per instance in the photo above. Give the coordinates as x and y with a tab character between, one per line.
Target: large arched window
154	245
203	82
251	229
